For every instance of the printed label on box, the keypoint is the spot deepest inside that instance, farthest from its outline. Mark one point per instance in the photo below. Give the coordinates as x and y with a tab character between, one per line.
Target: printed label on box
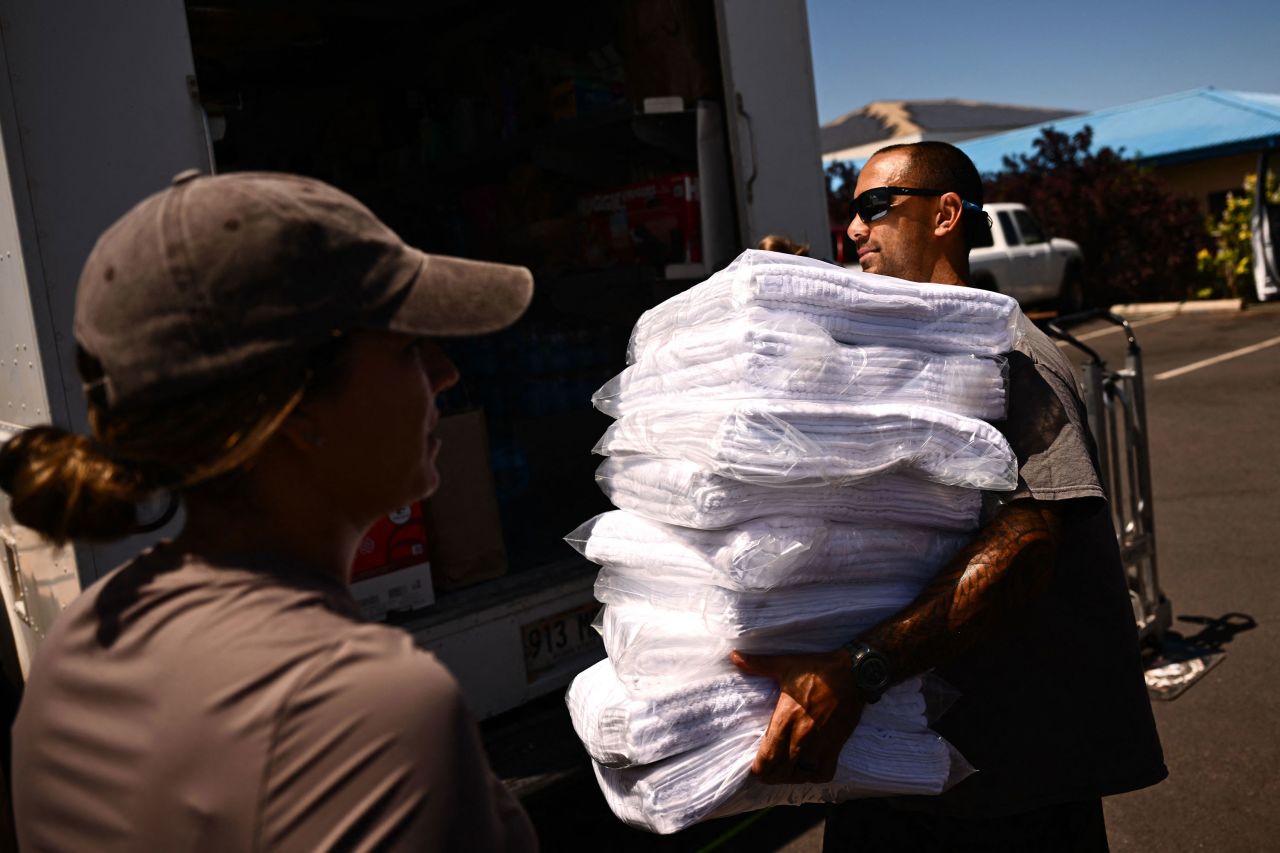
656	221
391	570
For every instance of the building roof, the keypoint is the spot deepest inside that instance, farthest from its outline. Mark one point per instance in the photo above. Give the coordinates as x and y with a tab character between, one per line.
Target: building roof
880	123
1175	128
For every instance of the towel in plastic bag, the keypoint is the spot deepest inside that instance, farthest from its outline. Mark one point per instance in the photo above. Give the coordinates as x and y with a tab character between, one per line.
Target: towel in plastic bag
683	493
890	752
653	648
853	306
736	614
764	553
715	780
773	442
621	730
759	355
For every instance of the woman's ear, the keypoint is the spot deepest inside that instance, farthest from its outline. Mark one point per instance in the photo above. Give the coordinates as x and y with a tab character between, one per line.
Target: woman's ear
301	431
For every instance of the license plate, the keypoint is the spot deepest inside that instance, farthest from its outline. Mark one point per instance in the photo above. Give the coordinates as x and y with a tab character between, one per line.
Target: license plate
557	638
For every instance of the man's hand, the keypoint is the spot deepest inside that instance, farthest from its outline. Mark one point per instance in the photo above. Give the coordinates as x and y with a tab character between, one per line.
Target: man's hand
817	711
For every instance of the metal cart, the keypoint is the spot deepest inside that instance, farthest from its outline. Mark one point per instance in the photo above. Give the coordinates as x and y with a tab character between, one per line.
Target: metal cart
1118	419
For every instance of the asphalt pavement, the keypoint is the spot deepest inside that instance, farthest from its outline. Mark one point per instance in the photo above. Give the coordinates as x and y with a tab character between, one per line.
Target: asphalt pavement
1215	455
1213	406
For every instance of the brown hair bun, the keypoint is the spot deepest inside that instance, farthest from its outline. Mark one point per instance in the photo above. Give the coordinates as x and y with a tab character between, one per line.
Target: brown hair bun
64	486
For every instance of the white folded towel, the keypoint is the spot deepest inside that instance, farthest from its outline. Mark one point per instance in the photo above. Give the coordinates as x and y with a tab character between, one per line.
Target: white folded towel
683	493
715	780
764	553
774	442
655	648
855	307
620	730
735	614
759	355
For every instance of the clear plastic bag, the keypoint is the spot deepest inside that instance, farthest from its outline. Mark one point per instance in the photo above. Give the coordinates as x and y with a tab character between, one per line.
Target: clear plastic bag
764	553
736	613
681	492
872	764
715	780
654	649
853	306
758	355
621	730
773	442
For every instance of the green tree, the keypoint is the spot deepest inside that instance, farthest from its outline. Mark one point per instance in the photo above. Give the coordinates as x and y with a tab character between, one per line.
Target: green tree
1230	262
1139	240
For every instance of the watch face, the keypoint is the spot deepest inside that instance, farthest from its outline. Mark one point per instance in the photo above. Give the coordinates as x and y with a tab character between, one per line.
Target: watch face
873	671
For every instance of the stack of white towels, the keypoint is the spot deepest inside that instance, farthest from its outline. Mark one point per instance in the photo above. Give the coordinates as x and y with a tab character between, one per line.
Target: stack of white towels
798	449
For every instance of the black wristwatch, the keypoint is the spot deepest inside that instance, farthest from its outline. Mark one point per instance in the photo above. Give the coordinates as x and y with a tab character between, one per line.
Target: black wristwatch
871	670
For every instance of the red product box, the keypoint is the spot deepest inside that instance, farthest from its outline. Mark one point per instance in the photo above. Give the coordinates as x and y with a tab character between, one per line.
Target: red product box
391	570
667	210
657	221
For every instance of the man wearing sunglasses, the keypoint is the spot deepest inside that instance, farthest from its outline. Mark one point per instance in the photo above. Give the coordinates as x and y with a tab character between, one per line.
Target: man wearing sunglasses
1031	623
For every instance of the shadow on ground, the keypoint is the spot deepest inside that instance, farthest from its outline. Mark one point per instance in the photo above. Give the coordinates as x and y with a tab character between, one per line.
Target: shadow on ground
1180	660
1212	637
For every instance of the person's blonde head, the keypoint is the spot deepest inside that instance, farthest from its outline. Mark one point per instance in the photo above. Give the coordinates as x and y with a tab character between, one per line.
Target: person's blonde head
785	245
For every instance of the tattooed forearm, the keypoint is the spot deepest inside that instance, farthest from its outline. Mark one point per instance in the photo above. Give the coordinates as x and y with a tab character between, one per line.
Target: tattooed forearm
1005	568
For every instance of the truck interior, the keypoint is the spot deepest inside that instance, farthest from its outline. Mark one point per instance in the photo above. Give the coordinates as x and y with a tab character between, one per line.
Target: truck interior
502	131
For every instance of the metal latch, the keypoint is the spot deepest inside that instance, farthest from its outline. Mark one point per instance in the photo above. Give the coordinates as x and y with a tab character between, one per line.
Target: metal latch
15	577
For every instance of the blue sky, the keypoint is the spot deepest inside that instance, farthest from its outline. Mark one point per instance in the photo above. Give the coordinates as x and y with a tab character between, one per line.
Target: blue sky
1082	55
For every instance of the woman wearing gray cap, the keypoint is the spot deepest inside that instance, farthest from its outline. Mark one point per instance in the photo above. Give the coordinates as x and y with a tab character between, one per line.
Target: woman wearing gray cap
256	344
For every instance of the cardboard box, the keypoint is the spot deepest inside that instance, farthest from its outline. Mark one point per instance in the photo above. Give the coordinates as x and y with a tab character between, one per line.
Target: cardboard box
462	517
392	571
670	48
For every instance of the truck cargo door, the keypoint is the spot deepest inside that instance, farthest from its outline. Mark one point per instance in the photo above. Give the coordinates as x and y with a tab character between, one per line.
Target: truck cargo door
773	121
97	111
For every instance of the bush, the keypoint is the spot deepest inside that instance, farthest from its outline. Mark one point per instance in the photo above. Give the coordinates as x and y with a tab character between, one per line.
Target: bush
1230	262
1139	241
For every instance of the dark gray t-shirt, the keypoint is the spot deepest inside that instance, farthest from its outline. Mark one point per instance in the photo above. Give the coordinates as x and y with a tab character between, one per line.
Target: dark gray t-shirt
1054	707
181	706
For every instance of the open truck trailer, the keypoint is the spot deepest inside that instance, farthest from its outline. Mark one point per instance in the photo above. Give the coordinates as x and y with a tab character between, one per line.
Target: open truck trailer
620	148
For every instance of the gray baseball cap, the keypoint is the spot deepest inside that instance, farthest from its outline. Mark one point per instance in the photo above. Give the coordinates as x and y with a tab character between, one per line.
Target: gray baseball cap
215	277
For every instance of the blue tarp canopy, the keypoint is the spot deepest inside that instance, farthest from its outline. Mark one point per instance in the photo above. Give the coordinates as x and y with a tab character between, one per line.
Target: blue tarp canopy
1171	129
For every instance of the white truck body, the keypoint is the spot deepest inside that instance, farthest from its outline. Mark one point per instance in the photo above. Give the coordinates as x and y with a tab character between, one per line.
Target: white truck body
99	107
1023	262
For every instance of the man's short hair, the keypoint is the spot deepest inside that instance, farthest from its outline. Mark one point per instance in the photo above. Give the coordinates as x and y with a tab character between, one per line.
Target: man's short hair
941	165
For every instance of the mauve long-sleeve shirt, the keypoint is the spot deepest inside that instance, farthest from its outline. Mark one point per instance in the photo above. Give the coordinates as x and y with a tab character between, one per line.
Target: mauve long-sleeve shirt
182	706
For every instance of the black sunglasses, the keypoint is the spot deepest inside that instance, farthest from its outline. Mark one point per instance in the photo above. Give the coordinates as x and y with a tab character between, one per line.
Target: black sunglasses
873	204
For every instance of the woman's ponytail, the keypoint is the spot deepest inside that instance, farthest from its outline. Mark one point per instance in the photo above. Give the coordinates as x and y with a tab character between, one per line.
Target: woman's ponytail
65	486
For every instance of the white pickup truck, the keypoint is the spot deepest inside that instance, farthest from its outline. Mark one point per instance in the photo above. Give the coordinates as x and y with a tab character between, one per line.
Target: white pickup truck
1022	262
